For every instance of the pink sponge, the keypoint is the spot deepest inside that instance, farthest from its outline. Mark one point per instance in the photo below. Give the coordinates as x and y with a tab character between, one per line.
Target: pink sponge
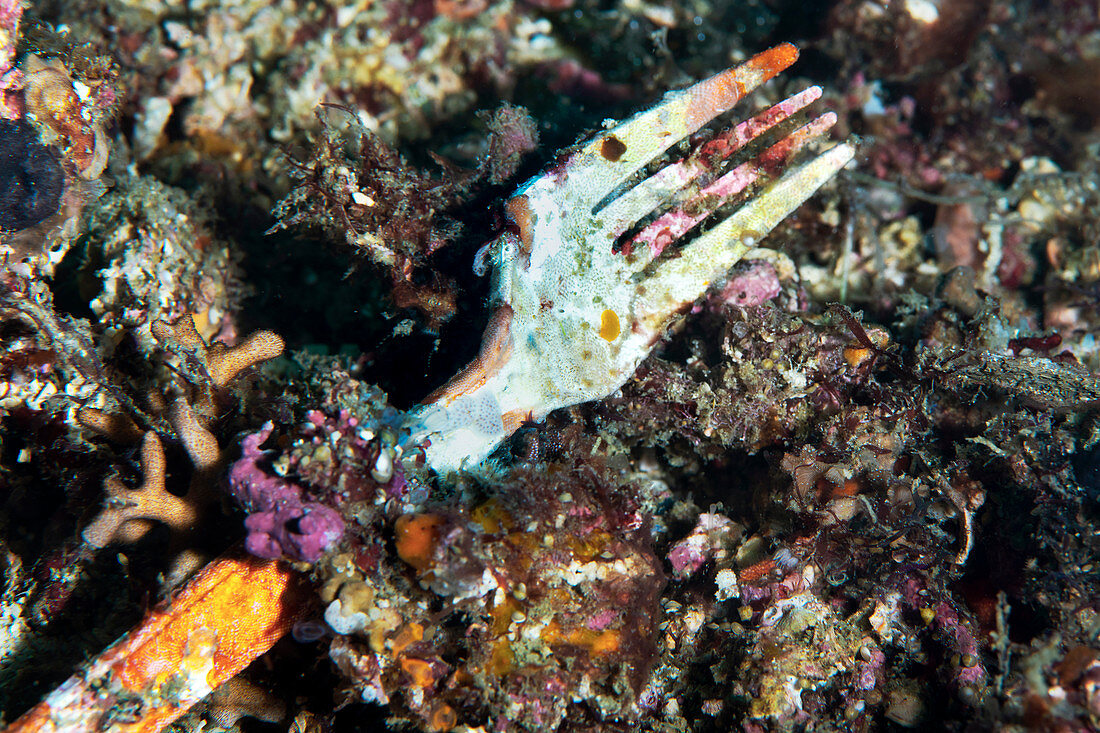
280	523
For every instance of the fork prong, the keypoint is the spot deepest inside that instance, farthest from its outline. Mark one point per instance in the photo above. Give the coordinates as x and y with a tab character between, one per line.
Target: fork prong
708	258
667	228
610	158
647	196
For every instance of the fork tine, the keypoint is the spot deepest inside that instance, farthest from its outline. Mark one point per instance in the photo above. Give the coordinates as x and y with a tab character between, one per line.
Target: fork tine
611	158
639	201
708	258
672	225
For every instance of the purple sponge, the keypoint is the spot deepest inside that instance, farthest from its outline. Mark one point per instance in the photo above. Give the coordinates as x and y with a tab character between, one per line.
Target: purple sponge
280	523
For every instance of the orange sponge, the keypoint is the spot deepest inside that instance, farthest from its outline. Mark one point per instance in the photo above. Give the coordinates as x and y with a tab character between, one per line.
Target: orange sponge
416	536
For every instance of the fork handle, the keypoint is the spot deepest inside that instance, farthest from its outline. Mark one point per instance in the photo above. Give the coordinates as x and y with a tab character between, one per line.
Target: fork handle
460	431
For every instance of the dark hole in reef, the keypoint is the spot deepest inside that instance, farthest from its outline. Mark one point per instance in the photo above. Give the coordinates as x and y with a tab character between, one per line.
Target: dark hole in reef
31	177
294	526
72	286
1086	469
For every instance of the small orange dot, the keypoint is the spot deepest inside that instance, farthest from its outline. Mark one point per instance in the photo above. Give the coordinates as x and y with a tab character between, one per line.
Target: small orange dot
856	356
409	634
612	148
419	671
416	537
443	718
606	642
609	325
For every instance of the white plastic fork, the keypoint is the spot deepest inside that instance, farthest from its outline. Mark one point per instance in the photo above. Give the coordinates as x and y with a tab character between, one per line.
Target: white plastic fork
585	285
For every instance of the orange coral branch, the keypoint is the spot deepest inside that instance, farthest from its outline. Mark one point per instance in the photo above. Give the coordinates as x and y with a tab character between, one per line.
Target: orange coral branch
222	363
123	515
226	362
201	445
233	611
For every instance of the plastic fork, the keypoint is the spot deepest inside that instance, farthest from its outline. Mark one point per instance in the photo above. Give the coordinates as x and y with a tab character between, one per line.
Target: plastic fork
610	245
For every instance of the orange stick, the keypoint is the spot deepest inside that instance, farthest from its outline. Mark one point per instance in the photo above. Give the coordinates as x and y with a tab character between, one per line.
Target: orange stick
233	611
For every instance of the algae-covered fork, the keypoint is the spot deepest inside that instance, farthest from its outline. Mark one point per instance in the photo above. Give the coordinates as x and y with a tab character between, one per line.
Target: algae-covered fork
604	252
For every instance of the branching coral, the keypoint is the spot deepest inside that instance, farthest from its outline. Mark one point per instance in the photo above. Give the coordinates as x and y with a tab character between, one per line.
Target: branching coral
215	364
208	368
149	502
